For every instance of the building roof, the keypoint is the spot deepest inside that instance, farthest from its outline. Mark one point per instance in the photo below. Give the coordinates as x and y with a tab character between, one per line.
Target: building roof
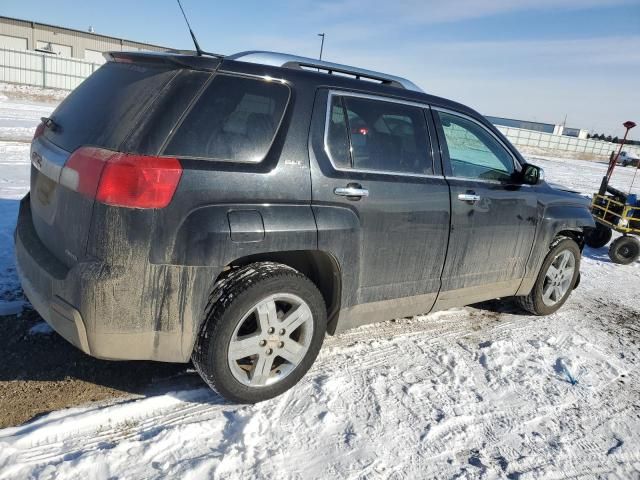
81	32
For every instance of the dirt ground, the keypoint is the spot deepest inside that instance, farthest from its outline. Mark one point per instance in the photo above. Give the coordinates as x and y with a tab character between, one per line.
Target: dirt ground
43	372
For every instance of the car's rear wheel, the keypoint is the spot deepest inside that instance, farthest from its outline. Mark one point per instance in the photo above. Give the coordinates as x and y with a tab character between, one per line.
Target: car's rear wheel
556	279
598	237
264	328
625	250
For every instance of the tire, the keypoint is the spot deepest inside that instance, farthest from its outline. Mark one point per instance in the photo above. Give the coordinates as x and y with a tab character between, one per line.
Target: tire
625	250
231	314
598	237
535	302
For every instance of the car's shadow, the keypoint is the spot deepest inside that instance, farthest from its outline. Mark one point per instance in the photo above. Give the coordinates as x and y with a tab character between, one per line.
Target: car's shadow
501	306
600	254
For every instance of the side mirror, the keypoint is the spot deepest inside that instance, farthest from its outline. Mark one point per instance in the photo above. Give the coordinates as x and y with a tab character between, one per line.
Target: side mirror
532	175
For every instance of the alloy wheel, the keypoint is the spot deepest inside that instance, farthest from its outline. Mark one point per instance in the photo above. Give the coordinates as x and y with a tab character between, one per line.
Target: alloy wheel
558	278
270	340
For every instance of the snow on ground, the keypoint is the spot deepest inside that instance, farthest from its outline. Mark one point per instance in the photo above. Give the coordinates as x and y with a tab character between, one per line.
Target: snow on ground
18	120
586	176
468	393
41	328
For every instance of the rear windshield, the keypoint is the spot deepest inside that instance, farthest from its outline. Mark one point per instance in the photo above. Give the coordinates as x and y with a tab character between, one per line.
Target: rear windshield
235	120
103	110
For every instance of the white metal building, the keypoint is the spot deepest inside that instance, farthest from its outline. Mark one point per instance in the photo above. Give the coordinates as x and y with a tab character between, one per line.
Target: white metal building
18	34
47	56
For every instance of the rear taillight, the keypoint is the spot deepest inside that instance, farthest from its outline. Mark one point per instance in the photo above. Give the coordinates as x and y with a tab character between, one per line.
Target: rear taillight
139	181
122	180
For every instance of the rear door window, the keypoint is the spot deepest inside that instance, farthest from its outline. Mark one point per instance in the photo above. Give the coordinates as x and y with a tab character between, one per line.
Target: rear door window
106	107
235	119
377	135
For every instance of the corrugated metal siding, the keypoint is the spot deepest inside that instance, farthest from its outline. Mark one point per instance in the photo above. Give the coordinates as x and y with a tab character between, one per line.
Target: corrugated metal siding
77	40
518	136
17	28
43	70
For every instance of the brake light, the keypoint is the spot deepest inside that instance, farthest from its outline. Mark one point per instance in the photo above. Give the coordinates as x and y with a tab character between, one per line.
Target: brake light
139	181
122	180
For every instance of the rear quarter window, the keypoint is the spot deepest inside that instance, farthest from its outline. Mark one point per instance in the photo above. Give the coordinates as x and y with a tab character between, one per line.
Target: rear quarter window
235	120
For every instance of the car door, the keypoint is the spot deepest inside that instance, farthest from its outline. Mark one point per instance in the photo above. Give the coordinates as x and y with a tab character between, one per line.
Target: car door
381	203
493	216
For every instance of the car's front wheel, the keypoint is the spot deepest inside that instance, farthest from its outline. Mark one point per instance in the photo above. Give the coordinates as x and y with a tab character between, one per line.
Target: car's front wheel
556	279
264	327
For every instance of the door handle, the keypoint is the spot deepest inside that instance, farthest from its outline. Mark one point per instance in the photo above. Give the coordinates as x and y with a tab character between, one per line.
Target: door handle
352	190
468	197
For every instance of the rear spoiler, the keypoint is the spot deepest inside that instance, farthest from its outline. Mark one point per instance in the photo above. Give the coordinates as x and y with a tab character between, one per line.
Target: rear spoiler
210	62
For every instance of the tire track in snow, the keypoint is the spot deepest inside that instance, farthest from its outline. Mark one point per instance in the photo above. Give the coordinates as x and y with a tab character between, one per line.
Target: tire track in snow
443	391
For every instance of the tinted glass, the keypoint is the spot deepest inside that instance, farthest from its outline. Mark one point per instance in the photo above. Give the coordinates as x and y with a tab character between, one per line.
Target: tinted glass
383	136
473	151
337	137
235	119
106	107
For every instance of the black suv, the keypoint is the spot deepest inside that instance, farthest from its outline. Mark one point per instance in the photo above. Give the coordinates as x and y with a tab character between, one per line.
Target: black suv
231	210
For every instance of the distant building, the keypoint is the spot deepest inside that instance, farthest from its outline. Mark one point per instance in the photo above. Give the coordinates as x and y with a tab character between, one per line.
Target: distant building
18	34
524	124
538	127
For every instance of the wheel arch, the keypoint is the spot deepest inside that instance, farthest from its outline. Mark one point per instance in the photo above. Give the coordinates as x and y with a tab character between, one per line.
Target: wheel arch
566	221
321	267
557	221
577	235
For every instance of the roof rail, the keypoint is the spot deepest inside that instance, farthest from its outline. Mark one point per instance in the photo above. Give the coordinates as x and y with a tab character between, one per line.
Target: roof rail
293	61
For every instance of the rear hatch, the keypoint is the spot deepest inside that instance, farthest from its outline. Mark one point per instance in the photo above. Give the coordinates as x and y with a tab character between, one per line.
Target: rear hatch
102	112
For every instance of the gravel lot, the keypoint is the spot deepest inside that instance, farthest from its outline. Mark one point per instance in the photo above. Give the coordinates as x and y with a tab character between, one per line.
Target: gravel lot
41	372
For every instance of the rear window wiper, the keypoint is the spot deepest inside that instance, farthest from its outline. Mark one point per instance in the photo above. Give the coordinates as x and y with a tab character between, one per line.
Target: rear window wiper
51	124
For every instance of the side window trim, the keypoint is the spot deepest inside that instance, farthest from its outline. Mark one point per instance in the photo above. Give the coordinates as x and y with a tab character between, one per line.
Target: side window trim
344	93
348	126
443	142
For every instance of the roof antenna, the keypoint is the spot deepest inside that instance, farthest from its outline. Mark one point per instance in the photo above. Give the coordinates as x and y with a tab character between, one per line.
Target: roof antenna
193	37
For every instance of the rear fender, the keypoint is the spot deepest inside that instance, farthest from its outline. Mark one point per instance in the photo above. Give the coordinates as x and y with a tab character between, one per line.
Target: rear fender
217	235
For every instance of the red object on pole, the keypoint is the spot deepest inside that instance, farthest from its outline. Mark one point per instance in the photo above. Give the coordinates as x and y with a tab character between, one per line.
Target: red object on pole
628	125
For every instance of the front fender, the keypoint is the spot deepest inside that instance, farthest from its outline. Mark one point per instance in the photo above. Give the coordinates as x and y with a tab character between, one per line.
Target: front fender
558	218
554	220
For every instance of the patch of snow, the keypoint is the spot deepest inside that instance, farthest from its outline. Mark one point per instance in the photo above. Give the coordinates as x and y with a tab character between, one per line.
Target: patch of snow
18	120
41	328
32	93
11	307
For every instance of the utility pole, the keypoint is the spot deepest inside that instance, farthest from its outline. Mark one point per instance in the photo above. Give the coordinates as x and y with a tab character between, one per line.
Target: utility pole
321	44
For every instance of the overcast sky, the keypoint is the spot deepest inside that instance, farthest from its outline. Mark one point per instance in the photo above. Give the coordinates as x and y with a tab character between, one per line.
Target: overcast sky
526	59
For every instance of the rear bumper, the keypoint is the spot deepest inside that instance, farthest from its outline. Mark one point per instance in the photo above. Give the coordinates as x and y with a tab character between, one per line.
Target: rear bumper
64	318
138	312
